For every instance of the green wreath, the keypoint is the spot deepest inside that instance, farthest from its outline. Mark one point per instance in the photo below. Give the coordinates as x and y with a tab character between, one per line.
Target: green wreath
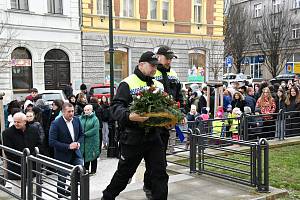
161	109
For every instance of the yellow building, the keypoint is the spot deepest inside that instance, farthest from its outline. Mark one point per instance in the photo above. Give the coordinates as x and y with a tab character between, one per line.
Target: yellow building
192	28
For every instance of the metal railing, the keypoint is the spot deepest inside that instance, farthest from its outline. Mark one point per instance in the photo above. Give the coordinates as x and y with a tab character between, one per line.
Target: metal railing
238	161
14	162
253	127
50	175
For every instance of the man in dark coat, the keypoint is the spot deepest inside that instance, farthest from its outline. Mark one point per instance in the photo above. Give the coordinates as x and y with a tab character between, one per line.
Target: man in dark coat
18	137
65	136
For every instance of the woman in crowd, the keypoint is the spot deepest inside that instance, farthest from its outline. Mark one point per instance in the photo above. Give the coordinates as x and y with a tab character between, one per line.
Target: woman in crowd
227	98
98	112
81	102
238	101
292	105
54	113
90	145
32	121
280	100
72	100
266	104
105	119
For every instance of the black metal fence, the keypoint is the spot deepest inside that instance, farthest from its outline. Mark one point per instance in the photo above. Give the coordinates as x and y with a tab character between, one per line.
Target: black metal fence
43	177
235	160
14	171
252	127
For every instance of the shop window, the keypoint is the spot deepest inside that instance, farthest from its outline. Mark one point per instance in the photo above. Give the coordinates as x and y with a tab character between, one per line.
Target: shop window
197	63
120	64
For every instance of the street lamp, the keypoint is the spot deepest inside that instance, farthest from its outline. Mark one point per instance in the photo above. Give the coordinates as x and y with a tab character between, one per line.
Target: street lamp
112	144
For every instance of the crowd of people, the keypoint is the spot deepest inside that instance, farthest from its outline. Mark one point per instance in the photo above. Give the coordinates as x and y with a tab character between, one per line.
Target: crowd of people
262	99
34	118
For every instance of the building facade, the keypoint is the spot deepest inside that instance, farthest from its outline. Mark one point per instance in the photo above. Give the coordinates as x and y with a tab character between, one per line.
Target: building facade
255	61
192	28
40	45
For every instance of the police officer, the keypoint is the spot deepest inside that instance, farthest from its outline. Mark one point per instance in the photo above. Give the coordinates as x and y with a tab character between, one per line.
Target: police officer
172	86
137	142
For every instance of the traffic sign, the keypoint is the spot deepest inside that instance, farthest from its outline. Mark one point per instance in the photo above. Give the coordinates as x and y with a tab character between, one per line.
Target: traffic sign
229	61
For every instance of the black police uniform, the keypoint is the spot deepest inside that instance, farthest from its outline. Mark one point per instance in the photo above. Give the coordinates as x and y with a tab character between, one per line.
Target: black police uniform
137	143
172	86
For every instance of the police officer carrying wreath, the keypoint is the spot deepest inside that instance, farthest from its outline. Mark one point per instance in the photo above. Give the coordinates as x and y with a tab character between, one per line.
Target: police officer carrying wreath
168	77
137	142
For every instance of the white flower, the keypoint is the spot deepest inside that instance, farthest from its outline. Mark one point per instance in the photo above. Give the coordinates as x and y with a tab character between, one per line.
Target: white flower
138	97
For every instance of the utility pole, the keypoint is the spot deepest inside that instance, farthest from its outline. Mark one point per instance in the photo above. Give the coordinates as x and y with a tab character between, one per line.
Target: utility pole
112	145
2	114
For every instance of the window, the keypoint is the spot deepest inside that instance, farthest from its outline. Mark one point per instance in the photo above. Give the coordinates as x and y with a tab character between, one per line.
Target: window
197	63
257	10
120	65
102	7
256	70
128	8
197	11
296	4
19	4
296	31
55	6
21	69
165	10
276	5
153	9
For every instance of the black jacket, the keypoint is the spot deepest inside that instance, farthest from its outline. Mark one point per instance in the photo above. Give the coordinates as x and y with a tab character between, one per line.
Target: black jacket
19	140
131	133
172	85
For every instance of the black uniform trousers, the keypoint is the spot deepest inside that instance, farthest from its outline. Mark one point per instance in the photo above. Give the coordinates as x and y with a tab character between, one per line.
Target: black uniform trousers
131	156
165	135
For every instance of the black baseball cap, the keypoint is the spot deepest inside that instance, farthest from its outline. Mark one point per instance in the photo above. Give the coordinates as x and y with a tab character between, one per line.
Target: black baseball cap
149	57
166	51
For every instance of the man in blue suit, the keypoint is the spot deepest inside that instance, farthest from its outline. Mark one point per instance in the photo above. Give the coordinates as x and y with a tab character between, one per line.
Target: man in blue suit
65	136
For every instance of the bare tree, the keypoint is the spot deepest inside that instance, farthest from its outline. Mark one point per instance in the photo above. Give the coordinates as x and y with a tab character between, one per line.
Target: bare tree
216	60
275	37
6	39
238	34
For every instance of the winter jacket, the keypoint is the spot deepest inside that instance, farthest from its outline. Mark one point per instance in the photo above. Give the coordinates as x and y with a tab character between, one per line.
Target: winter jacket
19	140
90	145
132	133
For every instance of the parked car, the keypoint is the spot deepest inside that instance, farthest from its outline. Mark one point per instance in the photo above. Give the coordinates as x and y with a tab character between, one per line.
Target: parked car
50	95
186	85
99	90
282	77
240	78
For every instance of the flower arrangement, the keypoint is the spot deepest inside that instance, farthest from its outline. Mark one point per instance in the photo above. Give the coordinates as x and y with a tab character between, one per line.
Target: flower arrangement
161	109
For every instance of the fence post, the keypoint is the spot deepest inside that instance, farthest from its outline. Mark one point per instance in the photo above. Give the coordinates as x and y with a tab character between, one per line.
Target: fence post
245	123
29	180
282	125
74	182
84	184
263	151
26	152
38	176
192	152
